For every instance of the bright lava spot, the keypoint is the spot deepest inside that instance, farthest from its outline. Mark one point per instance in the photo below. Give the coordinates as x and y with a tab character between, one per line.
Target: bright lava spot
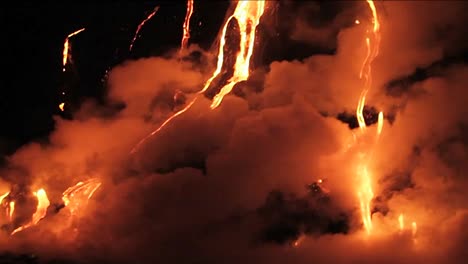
401	222
62	106
357	22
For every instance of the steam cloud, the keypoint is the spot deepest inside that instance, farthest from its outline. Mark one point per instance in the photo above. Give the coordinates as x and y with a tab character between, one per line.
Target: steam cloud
229	185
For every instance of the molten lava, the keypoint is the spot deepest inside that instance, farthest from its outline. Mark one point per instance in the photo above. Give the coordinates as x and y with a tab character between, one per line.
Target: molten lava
186	26
66	47
141	25
77	196
401	222
247	14
11	210
365	193
62	106
41	210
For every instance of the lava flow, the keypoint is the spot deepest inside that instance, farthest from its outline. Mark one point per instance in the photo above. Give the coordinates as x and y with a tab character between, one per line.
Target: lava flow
67	57
67	47
77	196
43	203
247	15
365	193
186	26
141	25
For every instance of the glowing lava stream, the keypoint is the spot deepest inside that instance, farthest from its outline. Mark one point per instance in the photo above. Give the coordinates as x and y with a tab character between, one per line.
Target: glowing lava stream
365	193
247	14
186	26
141	25
43	203
66	47
78	195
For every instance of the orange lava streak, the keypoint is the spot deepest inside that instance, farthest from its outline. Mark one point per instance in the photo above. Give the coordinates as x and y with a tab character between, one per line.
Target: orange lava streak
66	47
372	46
78	195
11	210
183	110
380	123
401	222
247	14
365	192
41	210
141	25
186	26
3	196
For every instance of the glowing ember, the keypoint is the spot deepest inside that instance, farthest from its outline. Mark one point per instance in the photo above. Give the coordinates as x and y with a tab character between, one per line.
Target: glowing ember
357	22
11	210
62	106
186	26
380	123
298	241
41	210
77	196
247	14
66	47
401	222
141	25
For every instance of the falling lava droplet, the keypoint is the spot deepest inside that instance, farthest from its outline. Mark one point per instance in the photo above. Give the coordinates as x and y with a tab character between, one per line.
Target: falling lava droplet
62	106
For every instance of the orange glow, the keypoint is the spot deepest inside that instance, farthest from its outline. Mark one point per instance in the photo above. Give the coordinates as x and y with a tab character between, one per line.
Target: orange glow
414	229
365	195
41	210
77	196
62	106
298	241
380	123
141	25
11	210
357	22
66	47
186	26
401	222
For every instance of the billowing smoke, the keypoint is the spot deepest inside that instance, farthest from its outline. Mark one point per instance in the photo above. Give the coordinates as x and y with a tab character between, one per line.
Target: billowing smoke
265	178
